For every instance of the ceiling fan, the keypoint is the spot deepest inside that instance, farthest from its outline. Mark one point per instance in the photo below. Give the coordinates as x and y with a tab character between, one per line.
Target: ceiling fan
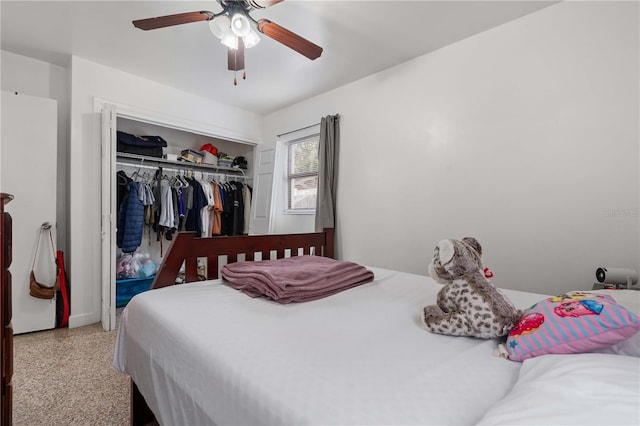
233	26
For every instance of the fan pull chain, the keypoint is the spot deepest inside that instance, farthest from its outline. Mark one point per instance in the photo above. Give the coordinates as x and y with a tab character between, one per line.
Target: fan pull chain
235	77
235	70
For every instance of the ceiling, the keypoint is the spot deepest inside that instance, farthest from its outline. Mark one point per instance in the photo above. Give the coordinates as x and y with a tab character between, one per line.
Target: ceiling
359	38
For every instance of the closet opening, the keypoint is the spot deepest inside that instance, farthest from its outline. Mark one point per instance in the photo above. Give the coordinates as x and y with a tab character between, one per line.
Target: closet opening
163	188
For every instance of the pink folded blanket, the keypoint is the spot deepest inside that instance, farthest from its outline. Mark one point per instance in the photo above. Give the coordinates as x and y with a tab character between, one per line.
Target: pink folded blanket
295	279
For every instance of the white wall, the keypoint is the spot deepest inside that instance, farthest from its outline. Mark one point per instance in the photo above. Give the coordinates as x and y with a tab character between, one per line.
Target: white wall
37	78
524	136
88	81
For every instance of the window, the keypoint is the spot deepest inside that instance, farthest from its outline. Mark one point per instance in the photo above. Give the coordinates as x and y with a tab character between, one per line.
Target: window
302	174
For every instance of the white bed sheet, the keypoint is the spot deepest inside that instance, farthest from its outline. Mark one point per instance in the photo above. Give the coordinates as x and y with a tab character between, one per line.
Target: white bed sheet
204	353
580	389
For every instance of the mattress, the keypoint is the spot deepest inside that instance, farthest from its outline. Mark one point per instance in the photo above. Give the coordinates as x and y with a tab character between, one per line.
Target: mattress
204	353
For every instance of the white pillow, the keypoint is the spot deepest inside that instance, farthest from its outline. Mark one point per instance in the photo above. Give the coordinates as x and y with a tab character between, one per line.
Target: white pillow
579	389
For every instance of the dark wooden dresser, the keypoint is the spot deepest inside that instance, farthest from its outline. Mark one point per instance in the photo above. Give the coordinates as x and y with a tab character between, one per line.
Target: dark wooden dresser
6	332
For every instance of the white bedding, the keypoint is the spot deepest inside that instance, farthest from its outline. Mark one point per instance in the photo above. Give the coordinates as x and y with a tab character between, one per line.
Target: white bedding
204	353
604	388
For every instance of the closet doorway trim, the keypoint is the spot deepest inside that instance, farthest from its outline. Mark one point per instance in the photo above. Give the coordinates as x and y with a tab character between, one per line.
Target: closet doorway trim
107	288
174	122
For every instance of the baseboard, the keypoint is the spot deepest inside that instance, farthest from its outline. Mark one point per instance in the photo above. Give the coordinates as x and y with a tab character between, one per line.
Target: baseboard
82	320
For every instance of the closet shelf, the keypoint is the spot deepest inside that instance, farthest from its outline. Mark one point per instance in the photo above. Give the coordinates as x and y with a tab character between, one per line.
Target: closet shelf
124	157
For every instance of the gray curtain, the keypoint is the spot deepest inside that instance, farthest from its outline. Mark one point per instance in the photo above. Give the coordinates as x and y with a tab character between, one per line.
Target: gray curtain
327	172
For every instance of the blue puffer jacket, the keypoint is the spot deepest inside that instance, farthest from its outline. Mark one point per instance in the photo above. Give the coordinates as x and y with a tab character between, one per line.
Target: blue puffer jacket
130	220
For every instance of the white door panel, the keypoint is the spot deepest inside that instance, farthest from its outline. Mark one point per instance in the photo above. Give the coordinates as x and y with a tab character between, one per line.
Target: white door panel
108	233
29	172
262	189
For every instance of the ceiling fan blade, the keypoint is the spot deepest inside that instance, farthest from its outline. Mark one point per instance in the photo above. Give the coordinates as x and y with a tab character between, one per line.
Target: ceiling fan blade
170	20
289	39
261	4
236	57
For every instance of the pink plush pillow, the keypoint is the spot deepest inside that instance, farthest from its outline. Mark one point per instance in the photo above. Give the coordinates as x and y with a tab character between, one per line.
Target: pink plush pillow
574	322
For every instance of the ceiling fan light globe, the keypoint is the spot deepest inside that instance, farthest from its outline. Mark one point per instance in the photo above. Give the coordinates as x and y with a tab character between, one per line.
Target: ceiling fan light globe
251	39
240	25
230	40
219	25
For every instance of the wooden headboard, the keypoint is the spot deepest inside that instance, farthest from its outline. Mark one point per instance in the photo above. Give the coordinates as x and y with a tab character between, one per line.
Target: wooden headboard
186	248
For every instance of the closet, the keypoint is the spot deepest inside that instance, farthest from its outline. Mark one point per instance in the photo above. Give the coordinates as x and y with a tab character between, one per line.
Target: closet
157	197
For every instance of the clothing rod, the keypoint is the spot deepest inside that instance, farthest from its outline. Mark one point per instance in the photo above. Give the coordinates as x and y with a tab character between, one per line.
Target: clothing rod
134	159
142	166
137	160
170	169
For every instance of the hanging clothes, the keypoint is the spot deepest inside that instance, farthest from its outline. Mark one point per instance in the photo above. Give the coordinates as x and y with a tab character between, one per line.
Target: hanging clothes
122	181
227	210
147	199
146	194
207	209
175	215
217	210
187	202
157	205
236	206
181	210
166	205
246	190
130	220
194	220
175	197
238	209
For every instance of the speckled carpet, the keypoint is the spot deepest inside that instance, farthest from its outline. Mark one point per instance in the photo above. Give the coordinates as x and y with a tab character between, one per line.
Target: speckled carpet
65	377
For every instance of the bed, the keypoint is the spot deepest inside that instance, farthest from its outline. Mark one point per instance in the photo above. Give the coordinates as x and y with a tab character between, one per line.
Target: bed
205	353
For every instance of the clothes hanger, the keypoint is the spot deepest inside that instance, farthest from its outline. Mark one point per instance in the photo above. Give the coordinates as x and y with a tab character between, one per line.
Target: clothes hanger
122	177
183	180
136	176
176	182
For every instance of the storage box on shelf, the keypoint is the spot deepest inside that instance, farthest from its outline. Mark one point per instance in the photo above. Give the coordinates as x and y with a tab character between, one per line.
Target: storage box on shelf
192	156
127	288
225	162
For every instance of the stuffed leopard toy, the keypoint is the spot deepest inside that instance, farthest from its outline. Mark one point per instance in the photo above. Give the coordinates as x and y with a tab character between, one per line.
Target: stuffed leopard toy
468	304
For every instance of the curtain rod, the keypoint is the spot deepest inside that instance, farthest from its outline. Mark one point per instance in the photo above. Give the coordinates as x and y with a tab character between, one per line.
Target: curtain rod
303	128
297	130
